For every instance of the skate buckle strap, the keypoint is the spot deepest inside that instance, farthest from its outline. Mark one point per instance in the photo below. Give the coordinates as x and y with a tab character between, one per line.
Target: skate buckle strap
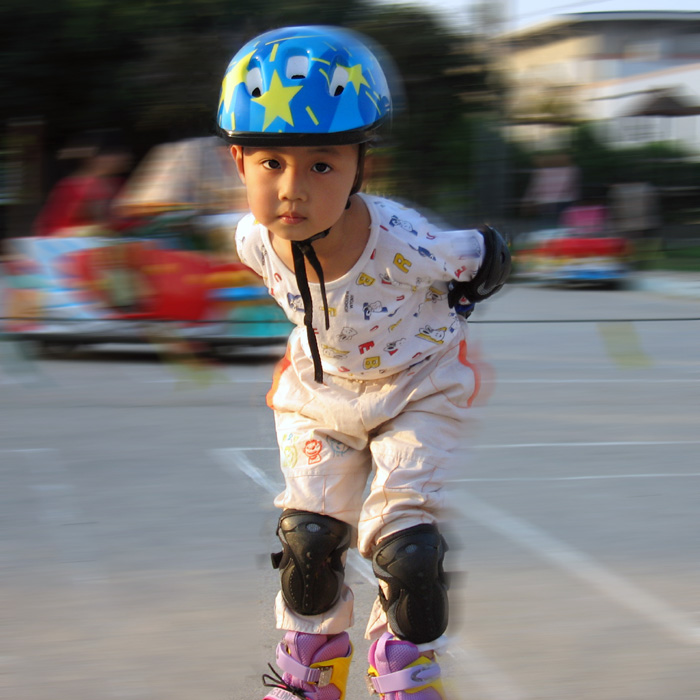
406	679
316	674
282	694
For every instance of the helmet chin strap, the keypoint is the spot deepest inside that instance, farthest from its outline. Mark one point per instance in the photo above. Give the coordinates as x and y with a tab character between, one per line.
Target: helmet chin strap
303	250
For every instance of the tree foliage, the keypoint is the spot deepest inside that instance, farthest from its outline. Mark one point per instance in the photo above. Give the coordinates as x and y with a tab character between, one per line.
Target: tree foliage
153	68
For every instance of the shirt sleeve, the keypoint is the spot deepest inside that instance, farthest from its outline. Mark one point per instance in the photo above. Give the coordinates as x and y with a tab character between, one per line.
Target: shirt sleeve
464	254
449	255
417	252
249	244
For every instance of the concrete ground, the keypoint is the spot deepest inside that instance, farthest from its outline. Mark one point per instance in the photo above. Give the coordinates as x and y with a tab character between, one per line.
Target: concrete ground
136	516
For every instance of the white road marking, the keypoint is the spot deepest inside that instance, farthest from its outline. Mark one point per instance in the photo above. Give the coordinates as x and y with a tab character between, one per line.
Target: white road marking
233	460
591	477
25	449
592	380
618	443
581	566
580	477
483	672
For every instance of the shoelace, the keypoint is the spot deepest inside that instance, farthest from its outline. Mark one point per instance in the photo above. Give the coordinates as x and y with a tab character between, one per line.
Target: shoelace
276	681
304	250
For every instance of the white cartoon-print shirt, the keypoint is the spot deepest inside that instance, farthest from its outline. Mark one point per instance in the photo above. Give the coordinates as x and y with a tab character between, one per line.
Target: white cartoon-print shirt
389	311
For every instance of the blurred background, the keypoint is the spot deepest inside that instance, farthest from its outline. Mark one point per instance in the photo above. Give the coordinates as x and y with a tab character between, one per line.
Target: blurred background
492	94
137	464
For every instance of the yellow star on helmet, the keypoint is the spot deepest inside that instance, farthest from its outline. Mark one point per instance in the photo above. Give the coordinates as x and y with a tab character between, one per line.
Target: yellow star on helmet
276	101
356	78
234	77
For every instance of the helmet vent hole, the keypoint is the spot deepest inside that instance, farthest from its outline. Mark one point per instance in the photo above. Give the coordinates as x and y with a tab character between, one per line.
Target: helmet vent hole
297	67
253	81
339	80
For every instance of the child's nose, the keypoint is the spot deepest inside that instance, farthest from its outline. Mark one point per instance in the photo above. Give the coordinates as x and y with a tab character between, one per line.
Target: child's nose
293	185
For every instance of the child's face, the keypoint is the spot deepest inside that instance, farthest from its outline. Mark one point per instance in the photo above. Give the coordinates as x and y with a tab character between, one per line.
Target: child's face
297	192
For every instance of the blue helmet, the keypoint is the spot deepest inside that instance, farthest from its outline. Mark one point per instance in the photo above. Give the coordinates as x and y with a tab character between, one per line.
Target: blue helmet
303	86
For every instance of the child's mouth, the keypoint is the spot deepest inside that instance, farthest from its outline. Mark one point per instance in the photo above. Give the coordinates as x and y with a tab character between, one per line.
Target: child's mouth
292	218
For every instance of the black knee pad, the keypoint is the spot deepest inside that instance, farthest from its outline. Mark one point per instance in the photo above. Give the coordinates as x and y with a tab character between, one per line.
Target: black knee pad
310	563
409	562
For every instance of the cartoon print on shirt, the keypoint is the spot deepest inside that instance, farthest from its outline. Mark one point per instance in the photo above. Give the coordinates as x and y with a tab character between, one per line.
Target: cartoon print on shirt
312	450
289	451
333	353
393	346
346	334
454	325
375	307
424	252
387	280
431	296
395	298
421	282
402	223
295	302
339	448
371	362
403	263
434	335
289	457
434	295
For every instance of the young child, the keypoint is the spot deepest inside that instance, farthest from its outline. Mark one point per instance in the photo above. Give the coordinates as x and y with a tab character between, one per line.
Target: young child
376	376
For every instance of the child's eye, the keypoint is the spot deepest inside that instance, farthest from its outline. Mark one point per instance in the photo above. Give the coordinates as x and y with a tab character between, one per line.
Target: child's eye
321	168
271	164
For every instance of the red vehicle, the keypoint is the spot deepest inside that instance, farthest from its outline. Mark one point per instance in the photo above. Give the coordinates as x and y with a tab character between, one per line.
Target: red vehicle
582	251
72	291
174	273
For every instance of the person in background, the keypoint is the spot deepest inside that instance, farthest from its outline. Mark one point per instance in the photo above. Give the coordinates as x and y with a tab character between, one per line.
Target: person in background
588	217
80	203
554	186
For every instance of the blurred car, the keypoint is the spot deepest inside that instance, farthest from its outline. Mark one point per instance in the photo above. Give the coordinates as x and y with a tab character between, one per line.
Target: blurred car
169	272
88	290
568	256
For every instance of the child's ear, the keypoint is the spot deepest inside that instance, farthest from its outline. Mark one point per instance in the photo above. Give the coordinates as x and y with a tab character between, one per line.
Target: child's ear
237	155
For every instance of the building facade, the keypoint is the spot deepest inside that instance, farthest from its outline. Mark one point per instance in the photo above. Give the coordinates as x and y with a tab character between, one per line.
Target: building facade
635	74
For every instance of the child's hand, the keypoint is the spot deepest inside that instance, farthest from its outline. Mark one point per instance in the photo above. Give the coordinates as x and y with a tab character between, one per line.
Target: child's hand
491	276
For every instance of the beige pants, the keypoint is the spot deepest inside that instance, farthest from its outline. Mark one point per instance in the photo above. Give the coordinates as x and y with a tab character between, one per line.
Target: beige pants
404	427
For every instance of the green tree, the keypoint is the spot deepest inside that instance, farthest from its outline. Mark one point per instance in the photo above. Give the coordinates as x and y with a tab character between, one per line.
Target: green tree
153	69
443	81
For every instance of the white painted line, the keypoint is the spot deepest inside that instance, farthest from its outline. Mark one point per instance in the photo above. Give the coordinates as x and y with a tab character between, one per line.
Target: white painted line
627	443
581	566
233	460
26	449
591	477
592	380
518	445
484	672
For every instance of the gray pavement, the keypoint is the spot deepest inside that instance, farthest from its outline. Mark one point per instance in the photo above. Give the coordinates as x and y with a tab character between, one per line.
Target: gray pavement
685	285
136	516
